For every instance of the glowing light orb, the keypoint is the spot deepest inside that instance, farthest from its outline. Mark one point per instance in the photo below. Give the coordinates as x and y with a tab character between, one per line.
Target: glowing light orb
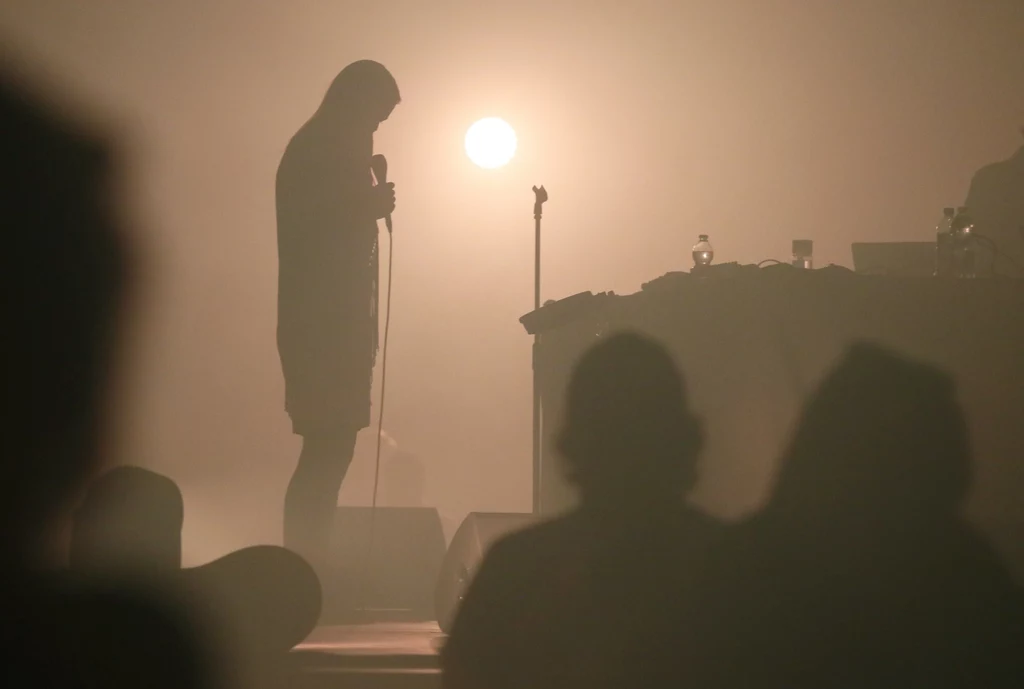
491	142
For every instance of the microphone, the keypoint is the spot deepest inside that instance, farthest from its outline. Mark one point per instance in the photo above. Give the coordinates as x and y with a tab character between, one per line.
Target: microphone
379	165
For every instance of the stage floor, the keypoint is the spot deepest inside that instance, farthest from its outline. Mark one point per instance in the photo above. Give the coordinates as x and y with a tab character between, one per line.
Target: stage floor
409	639
385	655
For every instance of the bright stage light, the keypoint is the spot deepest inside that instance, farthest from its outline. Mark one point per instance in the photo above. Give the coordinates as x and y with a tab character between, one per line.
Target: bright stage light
490	142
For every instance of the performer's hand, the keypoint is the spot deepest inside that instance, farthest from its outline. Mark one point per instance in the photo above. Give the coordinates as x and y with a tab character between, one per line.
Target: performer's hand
382	200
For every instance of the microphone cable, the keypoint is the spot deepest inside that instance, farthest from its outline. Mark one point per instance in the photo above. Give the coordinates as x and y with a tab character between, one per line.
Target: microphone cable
383	370
380	424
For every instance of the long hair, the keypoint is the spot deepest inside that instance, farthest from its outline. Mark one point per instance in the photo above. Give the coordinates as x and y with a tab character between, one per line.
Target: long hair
627	419
362	79
881	434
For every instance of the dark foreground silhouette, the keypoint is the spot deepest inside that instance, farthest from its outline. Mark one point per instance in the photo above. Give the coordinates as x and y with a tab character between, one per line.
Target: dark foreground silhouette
259	601
861	570
64	277
327	212
577	601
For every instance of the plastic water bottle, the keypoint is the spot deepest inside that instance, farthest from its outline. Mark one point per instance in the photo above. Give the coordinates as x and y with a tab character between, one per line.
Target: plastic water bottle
944	265
703	253
803	252
963	244
946	224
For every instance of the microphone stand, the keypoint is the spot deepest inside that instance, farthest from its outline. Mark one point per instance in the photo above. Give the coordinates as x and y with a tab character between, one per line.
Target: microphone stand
540	197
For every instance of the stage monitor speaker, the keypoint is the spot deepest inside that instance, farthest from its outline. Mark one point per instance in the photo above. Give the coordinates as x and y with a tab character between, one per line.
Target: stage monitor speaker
466	552
392	581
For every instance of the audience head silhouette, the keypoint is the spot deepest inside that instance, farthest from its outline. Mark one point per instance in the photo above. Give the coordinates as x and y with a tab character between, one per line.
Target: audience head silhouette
364	94
63	271
628	432
131	517
881	436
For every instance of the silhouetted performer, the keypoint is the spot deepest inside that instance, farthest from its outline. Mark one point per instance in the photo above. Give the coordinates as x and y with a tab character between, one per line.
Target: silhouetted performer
861	571
64	278
996	204
327	212
577	601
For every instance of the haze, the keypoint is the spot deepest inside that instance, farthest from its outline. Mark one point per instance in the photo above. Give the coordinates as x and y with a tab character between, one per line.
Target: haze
648	123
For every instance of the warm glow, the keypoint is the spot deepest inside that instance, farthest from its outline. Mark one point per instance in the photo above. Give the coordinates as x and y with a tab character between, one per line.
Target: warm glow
490	142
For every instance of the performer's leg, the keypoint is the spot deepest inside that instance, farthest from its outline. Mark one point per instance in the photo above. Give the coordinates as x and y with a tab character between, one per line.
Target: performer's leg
312	497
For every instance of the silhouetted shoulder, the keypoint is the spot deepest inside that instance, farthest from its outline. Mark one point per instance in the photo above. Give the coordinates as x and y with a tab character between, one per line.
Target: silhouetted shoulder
1004	177
681	519
511	563
991	173
298	155
527	540
996	169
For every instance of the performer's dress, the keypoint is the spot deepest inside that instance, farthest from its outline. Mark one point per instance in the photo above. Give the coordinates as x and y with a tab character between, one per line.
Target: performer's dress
327	281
